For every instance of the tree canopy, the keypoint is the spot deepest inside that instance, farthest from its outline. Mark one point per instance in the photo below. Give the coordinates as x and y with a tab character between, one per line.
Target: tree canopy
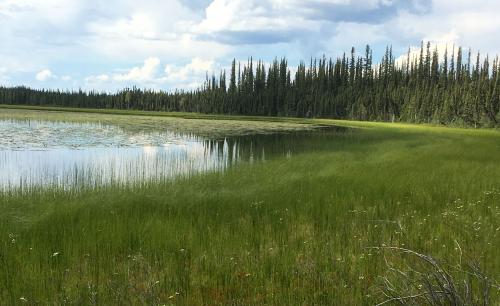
423	89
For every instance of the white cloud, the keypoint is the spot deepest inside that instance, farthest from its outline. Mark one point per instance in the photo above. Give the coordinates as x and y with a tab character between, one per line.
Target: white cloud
103	78
197	68
88	40
190	75
222	14
461	22
140	74
137	26
152	27
273	21
44	75
253	15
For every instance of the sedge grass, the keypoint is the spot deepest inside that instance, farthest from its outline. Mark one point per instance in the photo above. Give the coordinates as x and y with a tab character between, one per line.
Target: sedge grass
302	230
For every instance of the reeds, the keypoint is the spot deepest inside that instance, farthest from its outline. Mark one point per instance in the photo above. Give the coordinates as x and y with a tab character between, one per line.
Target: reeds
292	230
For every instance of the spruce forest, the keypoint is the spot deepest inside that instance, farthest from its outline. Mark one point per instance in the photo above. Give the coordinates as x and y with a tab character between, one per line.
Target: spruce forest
459	88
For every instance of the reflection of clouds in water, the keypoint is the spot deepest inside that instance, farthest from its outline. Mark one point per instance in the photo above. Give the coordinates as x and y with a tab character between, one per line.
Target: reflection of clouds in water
50	156
98	166
44	153
88	154
148	150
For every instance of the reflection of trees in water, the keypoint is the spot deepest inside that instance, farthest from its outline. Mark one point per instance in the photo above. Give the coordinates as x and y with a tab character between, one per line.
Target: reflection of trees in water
259	147
185	155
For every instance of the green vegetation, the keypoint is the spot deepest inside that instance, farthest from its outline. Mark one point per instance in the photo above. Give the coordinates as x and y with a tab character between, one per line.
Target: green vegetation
425	87
139	121
313	228
129	112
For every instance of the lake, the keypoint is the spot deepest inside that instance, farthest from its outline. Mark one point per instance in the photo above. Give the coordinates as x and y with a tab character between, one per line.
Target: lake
37	150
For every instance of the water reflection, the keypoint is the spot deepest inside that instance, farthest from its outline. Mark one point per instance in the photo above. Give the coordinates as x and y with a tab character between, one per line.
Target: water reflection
66	154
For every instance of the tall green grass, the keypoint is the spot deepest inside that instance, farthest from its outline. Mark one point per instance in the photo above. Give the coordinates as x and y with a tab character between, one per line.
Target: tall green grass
311	229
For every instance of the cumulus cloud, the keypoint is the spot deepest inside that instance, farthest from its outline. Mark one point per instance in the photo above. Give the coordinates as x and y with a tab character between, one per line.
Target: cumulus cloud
90	40
47	75
275	21
44	75
252	21
461	22
195	69
137	26
140	74
190	75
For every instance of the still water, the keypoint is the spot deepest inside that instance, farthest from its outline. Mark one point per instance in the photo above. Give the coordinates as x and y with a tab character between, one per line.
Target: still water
67	154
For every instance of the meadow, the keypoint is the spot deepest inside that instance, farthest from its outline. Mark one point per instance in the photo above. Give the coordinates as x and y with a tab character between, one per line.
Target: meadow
387	212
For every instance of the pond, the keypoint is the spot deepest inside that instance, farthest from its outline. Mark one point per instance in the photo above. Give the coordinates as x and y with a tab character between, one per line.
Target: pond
37	151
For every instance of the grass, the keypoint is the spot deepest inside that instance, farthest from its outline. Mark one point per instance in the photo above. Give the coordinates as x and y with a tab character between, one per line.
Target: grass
181	115
311	229
138	121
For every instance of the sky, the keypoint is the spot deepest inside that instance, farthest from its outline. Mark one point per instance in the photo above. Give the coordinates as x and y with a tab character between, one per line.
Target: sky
107	45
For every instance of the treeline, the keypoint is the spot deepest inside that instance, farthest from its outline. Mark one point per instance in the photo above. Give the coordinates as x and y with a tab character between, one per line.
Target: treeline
458	88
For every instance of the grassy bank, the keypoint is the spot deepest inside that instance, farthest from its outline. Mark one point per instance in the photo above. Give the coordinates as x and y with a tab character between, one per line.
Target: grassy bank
291	231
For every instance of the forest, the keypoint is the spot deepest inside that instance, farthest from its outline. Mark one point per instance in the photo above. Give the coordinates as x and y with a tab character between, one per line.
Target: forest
459	88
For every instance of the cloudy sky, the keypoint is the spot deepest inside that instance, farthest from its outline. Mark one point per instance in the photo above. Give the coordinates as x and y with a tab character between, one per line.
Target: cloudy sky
166	44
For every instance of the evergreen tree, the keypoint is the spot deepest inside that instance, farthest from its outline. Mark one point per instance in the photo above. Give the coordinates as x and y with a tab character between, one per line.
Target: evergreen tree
421	89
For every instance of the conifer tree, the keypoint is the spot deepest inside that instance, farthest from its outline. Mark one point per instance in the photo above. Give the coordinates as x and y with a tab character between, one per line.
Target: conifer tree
421	89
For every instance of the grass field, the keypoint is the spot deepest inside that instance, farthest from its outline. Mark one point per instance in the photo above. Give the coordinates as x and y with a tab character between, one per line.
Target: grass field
325	227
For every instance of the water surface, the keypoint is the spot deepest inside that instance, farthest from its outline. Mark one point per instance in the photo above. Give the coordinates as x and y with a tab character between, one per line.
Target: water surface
91	154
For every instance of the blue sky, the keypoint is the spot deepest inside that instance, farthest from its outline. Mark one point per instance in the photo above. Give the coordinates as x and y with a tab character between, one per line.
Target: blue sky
109	44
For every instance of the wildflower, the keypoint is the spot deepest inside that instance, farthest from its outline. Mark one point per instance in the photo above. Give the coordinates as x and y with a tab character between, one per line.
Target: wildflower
55	254
23	299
